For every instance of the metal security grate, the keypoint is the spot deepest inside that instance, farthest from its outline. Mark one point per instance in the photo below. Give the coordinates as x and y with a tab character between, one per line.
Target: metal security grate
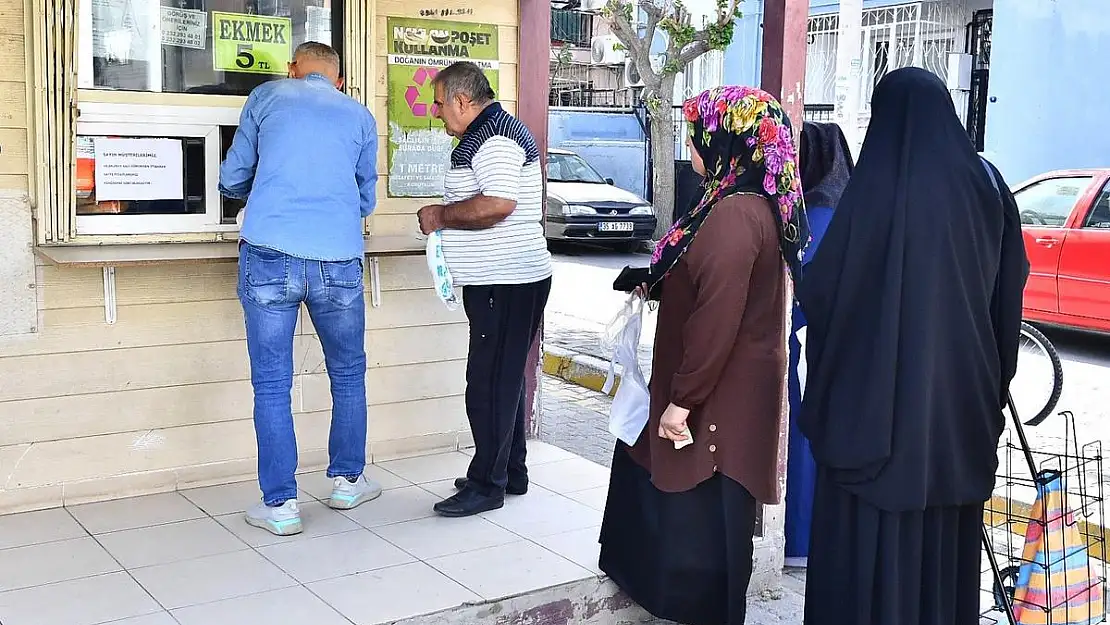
912	34
819	113
571	27
980	48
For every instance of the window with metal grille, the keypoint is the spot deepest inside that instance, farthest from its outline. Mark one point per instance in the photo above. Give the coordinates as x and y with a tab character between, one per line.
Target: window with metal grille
572	27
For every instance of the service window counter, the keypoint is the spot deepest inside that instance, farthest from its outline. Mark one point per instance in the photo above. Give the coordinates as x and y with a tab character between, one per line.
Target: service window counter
160	87
134	377
159	91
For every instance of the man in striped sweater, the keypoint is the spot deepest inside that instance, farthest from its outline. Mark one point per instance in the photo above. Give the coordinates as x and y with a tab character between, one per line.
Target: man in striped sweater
494	245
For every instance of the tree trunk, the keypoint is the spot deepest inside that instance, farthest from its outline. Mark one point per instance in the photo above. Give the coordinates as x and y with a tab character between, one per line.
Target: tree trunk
662	167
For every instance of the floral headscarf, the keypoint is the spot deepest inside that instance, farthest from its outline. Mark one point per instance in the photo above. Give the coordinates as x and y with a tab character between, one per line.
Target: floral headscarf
745	139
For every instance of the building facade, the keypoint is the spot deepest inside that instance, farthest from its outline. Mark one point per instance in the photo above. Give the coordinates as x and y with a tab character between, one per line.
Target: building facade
1049	82
589	69
1019	58
123	368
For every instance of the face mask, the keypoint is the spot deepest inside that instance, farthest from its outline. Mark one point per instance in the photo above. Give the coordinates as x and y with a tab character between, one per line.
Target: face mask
441	274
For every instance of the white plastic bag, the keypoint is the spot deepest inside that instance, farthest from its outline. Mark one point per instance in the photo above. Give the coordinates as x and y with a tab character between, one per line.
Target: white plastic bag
629	413
441	274
611	334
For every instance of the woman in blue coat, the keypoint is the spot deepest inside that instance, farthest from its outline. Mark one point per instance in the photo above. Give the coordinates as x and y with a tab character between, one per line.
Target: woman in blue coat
826	164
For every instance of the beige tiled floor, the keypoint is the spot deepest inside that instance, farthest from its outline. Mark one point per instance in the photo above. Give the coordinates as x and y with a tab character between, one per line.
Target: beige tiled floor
189	559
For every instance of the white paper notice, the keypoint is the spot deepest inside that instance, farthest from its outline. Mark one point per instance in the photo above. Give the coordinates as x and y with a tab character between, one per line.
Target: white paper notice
184	28
139	169
317	24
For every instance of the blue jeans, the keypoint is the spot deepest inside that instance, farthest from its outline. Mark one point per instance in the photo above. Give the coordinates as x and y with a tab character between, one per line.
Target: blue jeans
272	286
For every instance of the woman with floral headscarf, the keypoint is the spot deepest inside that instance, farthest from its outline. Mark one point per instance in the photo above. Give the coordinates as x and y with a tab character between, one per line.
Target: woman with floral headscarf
681	509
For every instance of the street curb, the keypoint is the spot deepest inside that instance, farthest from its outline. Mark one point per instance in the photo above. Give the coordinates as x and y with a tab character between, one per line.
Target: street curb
580	369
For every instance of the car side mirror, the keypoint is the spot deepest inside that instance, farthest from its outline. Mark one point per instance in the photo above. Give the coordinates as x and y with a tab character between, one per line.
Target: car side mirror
609	181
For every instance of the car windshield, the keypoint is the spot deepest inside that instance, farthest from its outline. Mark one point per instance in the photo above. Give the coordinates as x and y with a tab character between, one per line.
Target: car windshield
571	168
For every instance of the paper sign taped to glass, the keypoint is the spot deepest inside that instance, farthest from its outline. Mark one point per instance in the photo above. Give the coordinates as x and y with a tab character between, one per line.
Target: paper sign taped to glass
138	169
184	28
251	44
1056	584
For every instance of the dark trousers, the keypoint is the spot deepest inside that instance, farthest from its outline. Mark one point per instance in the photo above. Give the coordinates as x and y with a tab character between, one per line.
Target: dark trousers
504	320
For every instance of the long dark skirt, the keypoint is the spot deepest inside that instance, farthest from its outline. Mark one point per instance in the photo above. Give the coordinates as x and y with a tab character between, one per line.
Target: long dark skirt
687	556
872	567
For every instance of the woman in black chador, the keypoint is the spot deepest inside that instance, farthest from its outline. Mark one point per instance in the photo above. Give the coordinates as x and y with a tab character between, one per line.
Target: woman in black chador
914	307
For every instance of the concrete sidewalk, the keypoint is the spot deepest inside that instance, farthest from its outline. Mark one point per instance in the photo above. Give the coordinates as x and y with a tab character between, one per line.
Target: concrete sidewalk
576	419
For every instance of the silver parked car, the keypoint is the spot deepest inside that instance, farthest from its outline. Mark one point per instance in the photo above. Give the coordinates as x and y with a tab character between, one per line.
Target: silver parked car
584	206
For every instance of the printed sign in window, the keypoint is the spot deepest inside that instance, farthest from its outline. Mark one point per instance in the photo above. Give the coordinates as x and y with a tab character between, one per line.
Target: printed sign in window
251	44
317	24
138	169
184	28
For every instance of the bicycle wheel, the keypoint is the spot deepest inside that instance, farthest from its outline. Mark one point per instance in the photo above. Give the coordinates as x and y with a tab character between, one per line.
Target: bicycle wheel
1040	376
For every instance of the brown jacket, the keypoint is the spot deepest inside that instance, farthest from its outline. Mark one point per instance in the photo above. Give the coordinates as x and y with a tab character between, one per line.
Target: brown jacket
720	351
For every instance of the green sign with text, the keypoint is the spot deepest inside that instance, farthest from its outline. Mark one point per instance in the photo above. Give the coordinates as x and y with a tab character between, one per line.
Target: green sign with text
419	148
251	44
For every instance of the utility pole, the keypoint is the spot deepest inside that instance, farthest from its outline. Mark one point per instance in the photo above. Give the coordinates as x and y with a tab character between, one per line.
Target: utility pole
784	55
783	75
848	70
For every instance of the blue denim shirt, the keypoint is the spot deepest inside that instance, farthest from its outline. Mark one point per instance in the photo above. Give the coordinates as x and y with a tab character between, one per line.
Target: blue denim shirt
305	159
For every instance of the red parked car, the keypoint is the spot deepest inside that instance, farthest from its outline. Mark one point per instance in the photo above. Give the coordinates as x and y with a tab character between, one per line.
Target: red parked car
1065	218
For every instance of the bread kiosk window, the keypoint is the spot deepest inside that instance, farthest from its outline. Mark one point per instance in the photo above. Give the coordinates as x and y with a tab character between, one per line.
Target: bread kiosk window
160	87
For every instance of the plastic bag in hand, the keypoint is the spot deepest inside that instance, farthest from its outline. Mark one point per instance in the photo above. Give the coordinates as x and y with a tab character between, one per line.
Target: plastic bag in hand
611	334
441	274
629	413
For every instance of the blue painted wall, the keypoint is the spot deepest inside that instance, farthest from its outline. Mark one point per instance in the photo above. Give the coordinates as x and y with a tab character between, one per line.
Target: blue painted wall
743	56
613	143
1050	79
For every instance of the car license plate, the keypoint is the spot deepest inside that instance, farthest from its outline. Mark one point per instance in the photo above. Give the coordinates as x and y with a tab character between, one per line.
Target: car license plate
615	226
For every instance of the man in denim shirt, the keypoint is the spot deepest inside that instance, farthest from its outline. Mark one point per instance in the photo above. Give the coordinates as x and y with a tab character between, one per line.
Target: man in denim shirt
304	158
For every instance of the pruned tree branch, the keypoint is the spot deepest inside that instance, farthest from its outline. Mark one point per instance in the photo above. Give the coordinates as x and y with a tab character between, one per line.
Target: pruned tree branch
699	47
654	16
727	13
636	47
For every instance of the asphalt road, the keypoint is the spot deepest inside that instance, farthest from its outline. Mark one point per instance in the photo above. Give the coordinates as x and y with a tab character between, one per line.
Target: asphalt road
582	296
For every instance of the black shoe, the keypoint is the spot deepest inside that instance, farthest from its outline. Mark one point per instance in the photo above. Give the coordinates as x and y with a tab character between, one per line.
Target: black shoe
511	489
468	502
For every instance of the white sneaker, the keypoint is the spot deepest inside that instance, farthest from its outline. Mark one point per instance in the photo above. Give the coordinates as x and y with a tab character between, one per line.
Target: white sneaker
347	495
283	520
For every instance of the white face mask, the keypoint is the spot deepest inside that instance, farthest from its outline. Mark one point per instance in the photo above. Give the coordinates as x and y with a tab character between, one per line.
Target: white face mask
441	274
